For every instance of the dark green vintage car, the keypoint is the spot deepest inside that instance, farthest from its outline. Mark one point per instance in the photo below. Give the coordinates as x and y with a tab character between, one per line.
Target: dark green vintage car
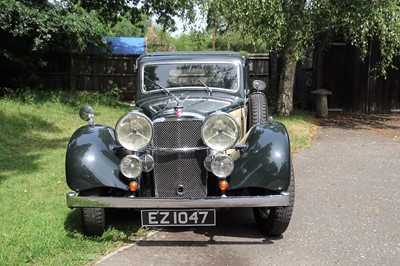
196	141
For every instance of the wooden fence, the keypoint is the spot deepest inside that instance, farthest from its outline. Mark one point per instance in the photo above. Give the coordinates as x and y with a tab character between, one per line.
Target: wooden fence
99	73
259	67
356	87
90	73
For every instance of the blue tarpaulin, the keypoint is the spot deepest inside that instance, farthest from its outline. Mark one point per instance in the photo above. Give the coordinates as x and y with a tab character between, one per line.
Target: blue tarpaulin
127	45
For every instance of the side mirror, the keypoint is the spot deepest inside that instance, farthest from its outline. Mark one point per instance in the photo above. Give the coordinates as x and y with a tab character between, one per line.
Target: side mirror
259	85
87	114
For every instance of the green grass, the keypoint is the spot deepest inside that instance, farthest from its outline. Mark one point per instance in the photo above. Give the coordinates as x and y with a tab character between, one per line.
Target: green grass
301	128
36	227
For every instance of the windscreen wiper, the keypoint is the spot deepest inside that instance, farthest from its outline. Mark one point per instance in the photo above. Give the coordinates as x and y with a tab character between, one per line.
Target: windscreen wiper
163	89
202	83
205	85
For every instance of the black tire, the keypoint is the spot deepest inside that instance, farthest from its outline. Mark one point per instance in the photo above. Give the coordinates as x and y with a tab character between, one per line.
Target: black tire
274	221
94	221
258	108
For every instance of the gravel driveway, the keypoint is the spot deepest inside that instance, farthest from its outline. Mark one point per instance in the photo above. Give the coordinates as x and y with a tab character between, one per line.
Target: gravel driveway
347	209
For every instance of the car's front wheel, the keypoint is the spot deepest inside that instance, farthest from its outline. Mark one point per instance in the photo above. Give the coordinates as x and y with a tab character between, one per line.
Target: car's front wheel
274	221
94	221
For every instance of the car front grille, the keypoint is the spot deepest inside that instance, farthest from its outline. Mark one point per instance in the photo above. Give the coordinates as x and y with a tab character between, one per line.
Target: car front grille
179	173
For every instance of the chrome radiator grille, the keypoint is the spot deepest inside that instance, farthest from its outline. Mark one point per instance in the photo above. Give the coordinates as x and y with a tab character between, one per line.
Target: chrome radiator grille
179	174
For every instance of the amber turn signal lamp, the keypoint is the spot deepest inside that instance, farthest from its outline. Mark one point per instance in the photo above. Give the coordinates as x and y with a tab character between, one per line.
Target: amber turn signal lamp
223	185
133	186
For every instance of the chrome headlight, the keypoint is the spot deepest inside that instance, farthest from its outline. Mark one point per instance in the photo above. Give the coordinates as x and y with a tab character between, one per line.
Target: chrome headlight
222	165
220	131
134	131
131	166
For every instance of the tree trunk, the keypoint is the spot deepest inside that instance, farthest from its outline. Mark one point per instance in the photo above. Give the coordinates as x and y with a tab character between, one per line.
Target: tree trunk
285	93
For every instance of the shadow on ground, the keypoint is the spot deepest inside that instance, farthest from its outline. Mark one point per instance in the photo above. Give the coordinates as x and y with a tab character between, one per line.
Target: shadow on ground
124	220
23	143
357	121
235	226
237	223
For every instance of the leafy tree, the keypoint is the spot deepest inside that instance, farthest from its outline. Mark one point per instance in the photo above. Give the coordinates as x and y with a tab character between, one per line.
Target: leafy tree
112	10
233	40
361	21
29	28
293	26
125	27
282	26
195	40
159	40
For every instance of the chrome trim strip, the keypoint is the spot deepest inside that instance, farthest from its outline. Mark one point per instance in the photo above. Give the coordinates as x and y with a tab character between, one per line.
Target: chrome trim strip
75	201
206	60
152	148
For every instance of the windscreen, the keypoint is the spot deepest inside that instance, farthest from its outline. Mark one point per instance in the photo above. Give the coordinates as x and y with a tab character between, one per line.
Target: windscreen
212	75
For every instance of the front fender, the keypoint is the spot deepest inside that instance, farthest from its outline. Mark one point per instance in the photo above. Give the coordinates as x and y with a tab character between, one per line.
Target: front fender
90	160
265	160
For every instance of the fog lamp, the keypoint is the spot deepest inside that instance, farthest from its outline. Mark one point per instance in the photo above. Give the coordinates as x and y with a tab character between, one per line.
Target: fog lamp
131	166
222	165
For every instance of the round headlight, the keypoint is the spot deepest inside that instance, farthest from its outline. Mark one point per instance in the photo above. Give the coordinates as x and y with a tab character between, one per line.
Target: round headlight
222	165
131	166
134	131
220	131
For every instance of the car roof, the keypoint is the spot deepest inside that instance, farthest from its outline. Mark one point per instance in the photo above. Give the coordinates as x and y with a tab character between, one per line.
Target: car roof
196	55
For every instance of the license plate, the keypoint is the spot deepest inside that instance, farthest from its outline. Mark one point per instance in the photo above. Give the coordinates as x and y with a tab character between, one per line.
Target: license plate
178	217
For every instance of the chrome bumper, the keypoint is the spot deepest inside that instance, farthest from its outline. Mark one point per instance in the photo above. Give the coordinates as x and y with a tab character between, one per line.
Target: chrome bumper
75	201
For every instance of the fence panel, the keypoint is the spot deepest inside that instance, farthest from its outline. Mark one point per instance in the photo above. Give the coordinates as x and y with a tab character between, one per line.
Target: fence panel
89	72
259	67
99	73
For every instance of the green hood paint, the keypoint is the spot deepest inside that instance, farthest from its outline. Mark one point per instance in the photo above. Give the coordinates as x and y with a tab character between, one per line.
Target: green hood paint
196	103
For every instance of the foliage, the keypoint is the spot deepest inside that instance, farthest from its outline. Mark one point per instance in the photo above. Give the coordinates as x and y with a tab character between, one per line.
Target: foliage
38	26
233	41
110	98
281	26
159	40
300	25
195	40
361	21
276	24
292	27
28	29
125	28
163	11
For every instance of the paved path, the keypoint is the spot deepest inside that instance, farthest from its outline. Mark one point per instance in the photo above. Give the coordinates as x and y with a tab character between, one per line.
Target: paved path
347	210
